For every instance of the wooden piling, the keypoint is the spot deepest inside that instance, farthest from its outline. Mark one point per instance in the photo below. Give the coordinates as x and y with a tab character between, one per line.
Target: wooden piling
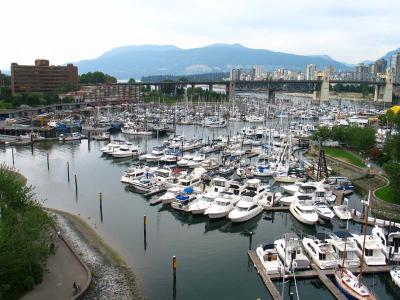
48	163
101	205
12	153
68	170
76	184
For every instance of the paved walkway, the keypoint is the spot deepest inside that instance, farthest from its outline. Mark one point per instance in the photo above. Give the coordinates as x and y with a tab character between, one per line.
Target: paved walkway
63	269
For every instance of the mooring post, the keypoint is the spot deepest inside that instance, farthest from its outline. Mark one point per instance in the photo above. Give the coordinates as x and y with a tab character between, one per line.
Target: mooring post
68	170
145	231
48	164
250	239
12	153
101	206
174	276
76	184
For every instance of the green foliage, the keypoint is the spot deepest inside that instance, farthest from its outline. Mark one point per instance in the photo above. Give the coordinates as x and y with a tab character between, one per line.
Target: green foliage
96	77
392	170
5	79
387	194
25	235
362	139
131	80
352	88
346	155
31	99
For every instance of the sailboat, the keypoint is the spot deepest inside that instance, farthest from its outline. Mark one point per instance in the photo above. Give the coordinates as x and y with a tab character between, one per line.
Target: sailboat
350	284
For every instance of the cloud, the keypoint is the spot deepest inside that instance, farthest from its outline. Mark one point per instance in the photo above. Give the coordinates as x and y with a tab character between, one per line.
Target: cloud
65	31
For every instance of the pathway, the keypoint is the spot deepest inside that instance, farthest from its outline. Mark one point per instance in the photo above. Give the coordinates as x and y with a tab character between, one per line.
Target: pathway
63	269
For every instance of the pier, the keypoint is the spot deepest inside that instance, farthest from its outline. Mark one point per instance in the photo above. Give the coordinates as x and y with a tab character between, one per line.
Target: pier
306	274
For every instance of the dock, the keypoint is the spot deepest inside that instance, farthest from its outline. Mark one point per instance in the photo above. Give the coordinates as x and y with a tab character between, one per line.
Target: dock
314	272
276	208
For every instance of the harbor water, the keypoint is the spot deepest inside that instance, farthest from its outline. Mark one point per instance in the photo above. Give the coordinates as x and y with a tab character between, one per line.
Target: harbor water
212	261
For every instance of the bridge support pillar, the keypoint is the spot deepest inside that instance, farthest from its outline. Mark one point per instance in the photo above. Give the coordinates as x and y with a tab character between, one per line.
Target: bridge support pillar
271	96
210	87
324	93
385	92
388	90
230	90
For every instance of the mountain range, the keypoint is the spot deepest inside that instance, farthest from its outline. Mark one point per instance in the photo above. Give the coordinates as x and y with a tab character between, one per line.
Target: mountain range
137	61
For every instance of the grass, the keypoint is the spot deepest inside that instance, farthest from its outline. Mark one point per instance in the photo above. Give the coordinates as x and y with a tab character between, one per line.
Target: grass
345	155
386	193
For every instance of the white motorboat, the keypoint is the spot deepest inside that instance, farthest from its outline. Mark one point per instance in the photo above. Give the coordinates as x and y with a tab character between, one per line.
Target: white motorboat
202	202
342	212
170	194
304	211
321	253
127	150
345	248
244	211
134	173
389	240
155	154
221	207
373	255
269	258
186	158
395	275
144	183
291	252
182	201
323	210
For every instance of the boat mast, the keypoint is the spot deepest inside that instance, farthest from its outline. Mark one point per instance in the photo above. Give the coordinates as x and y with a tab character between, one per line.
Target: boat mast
365	235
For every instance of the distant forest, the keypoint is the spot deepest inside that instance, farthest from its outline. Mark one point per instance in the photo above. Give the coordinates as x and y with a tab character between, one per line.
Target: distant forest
193	77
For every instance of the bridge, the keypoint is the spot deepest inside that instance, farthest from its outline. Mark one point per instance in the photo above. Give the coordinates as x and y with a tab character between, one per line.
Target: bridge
320	87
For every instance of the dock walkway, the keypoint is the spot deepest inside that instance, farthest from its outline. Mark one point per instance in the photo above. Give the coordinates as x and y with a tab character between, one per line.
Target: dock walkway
305	274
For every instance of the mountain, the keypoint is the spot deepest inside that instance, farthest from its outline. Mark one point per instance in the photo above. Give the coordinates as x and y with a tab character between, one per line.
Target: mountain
388	56
137	61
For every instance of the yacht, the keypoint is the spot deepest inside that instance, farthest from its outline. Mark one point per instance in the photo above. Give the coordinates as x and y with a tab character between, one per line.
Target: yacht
135	172
373	255
182	201
155	154
221	206
202	202
304	211
248	207
269	258
345	248
321	253
389	240
323	211
342	212
127	150
186	158
395	275
144	183
291	252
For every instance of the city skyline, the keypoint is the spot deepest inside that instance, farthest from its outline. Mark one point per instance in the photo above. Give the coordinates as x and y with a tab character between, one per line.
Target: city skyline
349	32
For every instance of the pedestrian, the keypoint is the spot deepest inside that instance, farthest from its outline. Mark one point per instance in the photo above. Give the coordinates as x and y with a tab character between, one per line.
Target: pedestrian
59	233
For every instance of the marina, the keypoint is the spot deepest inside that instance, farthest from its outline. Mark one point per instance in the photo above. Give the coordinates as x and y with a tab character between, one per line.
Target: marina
219	245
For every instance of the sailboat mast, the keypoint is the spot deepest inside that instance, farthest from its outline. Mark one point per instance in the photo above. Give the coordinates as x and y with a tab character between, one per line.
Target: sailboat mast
365	236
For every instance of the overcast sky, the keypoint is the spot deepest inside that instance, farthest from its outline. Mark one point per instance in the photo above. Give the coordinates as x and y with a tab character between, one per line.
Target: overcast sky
71	30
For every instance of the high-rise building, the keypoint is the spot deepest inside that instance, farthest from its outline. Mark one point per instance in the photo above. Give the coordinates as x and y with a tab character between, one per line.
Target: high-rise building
311	72
395	67
379	66
361	72
258	71
235	74
42	77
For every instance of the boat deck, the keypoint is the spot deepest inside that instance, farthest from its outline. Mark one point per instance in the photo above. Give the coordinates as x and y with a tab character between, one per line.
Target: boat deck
311	273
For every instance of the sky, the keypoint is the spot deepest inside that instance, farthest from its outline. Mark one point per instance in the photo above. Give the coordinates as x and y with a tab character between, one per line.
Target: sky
71	30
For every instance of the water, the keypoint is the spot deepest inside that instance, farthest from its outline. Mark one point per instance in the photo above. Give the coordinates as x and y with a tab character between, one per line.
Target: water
212	261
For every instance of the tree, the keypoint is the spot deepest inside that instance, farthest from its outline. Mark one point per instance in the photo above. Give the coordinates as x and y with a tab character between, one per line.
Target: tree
26	232
131	80
392	169
96	77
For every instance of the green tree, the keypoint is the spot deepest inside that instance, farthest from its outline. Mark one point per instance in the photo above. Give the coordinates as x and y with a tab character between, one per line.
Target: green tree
26	232
131	80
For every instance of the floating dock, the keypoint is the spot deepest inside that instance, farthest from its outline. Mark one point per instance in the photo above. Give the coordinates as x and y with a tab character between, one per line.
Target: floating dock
315	272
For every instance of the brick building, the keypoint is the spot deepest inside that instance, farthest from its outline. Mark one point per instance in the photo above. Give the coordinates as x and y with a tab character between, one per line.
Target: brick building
42	77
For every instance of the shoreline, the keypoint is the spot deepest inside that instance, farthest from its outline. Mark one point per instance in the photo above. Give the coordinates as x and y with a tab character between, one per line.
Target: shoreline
112	278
